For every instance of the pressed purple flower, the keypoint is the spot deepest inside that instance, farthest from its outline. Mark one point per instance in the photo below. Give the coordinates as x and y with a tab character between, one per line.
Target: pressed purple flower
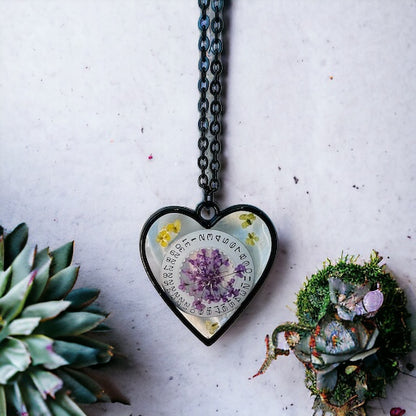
209	276
198	305
239	270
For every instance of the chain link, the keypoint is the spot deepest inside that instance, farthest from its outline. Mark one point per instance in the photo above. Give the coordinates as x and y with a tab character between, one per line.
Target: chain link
210	66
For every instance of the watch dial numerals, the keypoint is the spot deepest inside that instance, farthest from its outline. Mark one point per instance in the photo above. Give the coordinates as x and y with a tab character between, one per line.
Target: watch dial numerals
212	273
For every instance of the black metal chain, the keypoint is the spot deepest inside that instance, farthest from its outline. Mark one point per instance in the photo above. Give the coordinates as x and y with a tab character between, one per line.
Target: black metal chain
210	66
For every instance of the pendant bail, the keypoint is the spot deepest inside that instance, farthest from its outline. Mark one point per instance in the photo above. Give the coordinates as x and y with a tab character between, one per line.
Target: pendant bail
207	210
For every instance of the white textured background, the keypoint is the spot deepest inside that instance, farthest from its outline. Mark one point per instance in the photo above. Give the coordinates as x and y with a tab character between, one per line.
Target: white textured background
323	91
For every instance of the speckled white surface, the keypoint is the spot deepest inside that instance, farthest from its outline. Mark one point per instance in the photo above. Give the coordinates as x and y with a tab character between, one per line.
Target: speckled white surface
321	91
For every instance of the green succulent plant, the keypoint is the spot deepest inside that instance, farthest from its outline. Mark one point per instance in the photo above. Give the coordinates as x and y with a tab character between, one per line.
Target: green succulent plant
351	332
44	349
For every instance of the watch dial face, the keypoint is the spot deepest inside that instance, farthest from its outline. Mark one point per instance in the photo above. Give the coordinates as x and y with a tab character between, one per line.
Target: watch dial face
207	273
208	270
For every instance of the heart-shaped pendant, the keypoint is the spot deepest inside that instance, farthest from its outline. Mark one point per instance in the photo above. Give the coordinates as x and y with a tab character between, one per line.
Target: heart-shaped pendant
208	268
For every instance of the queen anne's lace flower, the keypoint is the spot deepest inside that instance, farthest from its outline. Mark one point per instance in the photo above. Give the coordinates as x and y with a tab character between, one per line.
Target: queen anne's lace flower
209	276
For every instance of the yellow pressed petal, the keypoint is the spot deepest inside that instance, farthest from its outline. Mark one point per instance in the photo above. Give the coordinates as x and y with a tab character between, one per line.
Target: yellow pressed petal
163	237
177	226
162	234
212	327
251	239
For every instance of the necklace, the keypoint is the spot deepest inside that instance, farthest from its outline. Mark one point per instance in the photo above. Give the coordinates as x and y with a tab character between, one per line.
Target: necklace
207	263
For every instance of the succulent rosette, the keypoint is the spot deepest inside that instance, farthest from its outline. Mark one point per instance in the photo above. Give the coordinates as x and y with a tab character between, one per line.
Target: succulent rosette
350	335
44	349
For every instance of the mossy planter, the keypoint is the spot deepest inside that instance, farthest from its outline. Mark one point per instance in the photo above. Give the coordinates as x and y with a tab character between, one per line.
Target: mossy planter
351	332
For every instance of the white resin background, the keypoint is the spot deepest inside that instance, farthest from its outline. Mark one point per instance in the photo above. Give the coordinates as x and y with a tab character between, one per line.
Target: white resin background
98	129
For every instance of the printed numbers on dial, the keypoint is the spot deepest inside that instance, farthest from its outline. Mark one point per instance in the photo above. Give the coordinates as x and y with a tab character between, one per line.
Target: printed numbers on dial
207	273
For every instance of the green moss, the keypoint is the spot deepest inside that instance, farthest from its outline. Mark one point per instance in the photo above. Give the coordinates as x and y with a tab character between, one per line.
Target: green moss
310	381
344	390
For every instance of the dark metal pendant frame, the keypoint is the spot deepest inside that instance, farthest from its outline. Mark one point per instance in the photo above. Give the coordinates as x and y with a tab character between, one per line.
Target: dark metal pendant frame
207	223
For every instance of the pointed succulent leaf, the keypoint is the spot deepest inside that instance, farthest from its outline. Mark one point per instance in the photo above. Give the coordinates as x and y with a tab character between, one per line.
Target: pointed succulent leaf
46	382
14	352
11	304
4	332
364	354
95	309
42	265
70	323
3	401
106	351
327	381
90	384
111	391
372	339
22	264
7	371
34	401
64	406
46	310
62	257
42	257
14	243
60	283
102	328
82	297
41	350
4	279
14	395
334	358
78	355
56	409
82	388
23	326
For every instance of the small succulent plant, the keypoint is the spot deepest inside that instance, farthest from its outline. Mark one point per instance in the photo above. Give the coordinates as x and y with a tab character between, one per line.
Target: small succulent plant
44	349
350	334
